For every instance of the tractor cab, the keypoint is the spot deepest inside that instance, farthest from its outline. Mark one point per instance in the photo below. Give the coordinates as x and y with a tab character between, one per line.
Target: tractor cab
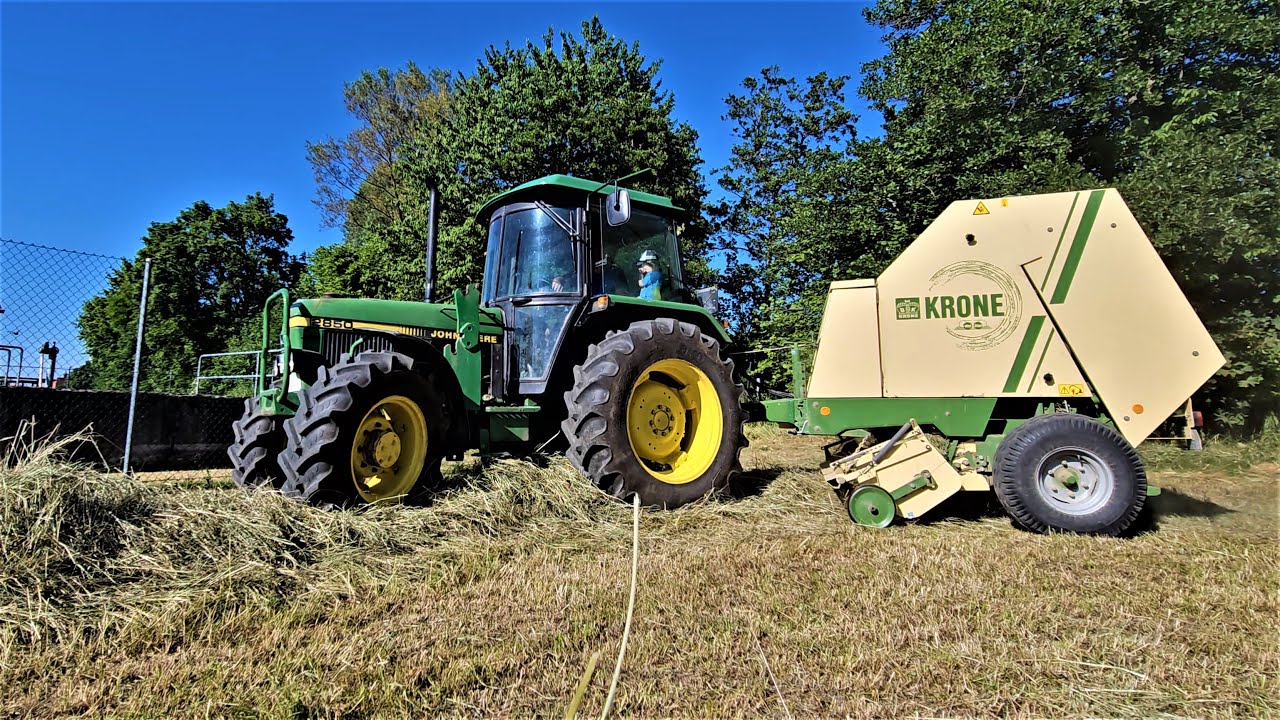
561	248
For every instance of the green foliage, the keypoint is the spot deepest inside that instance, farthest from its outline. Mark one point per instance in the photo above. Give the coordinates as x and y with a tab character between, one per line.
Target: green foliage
792	222
212	269
589	105
1176	104
357	183
363	186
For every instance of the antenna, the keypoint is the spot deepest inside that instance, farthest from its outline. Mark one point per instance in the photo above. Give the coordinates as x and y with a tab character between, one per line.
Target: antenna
615	183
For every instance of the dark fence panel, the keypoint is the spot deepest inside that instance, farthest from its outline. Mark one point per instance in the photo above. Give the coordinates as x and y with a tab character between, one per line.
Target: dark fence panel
172	432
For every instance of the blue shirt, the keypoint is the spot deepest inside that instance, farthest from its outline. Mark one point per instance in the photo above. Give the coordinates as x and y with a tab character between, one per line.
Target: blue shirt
649	285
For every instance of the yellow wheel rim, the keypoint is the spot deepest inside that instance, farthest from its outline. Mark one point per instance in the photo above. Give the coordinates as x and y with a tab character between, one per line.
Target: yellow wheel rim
675	421
389	449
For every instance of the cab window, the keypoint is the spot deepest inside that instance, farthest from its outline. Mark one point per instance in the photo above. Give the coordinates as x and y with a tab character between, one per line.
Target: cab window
494	246
623	246
536	255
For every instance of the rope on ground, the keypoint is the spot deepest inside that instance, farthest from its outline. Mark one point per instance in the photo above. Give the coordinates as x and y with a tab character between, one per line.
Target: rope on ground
631	603
774	680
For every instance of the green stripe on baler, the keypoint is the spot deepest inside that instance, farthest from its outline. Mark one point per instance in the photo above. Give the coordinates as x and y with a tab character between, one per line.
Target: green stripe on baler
1024	354
1077	247
1061	236
1031	383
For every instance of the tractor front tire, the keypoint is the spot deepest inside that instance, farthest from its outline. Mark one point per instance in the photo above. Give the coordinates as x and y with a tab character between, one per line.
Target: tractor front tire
256	449
655	411
1068	472
371	429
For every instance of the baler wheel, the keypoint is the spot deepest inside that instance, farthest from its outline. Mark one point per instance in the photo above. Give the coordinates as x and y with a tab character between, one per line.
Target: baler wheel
1069	472
872	506
256	449
655	412
371	429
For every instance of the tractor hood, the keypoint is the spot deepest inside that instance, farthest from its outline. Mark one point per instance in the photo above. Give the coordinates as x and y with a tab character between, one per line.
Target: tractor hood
401	316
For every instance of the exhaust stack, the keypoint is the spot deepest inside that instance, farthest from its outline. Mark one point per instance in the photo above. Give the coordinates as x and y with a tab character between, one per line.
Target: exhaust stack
434	206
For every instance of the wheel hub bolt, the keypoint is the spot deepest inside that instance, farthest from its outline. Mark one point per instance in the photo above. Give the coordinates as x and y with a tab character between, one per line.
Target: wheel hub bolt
386	449
660	420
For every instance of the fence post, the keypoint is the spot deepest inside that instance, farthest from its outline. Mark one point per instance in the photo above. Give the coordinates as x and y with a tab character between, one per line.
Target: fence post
137	361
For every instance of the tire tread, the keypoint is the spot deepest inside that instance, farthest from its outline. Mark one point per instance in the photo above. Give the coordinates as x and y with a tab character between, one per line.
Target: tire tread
1014	491
587	404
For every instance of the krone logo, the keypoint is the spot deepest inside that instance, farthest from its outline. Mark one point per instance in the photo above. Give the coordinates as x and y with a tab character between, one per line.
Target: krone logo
978	302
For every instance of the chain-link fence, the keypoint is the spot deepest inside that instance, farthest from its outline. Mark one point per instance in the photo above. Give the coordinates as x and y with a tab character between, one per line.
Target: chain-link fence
76	361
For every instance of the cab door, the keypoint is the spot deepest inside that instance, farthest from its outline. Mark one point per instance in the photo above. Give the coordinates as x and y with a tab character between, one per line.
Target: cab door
534	273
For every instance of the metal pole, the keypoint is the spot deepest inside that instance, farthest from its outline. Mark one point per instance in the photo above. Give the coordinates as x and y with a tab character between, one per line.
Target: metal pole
432	210
137	361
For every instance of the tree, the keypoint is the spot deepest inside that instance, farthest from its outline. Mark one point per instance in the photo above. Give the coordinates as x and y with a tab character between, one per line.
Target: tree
588	105
1176	104
212	270
792	222
358	186
362	185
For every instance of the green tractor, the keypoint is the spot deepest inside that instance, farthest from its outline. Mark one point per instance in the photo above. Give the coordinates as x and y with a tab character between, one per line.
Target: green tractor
583	328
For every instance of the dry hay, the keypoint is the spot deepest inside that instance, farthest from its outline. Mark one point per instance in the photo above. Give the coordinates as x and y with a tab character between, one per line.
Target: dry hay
128	598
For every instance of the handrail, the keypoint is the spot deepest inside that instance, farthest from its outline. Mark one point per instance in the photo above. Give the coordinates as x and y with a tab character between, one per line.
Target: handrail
285	349
201	377
8	362
799	378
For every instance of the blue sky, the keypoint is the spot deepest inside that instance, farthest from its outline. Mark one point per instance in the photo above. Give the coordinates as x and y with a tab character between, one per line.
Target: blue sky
116	115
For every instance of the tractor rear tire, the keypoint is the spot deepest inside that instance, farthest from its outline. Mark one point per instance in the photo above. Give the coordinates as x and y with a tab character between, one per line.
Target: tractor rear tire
655	411
1068	472
256	449
371	429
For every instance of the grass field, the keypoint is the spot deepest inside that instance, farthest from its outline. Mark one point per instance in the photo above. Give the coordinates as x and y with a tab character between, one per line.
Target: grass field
129	599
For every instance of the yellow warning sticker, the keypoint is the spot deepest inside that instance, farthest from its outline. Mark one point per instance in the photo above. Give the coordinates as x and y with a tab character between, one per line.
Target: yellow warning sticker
1071	389
981	209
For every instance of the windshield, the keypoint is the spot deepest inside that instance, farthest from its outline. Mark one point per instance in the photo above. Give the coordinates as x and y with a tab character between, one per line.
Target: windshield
641	258
535	255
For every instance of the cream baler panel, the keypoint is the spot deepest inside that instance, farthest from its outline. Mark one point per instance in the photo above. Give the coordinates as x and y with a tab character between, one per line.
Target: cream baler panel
847	362
956	309
1127	321
1049	369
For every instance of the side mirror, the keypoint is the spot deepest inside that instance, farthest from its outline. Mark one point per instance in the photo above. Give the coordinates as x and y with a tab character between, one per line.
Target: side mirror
618	207
709	298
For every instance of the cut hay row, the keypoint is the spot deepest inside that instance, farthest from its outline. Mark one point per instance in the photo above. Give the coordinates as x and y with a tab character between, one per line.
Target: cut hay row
82	551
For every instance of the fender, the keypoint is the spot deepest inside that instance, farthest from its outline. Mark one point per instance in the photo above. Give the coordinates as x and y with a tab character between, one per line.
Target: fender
625	309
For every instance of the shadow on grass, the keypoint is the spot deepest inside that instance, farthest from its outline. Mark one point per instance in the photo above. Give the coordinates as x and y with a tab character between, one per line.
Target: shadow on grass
962	507
1169	503
1172	502
454	476
752	483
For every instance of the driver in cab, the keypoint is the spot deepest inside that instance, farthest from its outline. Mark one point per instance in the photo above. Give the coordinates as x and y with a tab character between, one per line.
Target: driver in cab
650	276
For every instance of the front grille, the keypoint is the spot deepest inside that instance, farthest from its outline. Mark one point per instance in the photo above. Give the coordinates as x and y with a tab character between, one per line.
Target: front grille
333	343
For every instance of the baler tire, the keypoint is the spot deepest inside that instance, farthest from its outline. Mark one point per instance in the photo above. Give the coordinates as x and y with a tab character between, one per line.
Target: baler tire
1020	476
317	460
255	452
600	403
